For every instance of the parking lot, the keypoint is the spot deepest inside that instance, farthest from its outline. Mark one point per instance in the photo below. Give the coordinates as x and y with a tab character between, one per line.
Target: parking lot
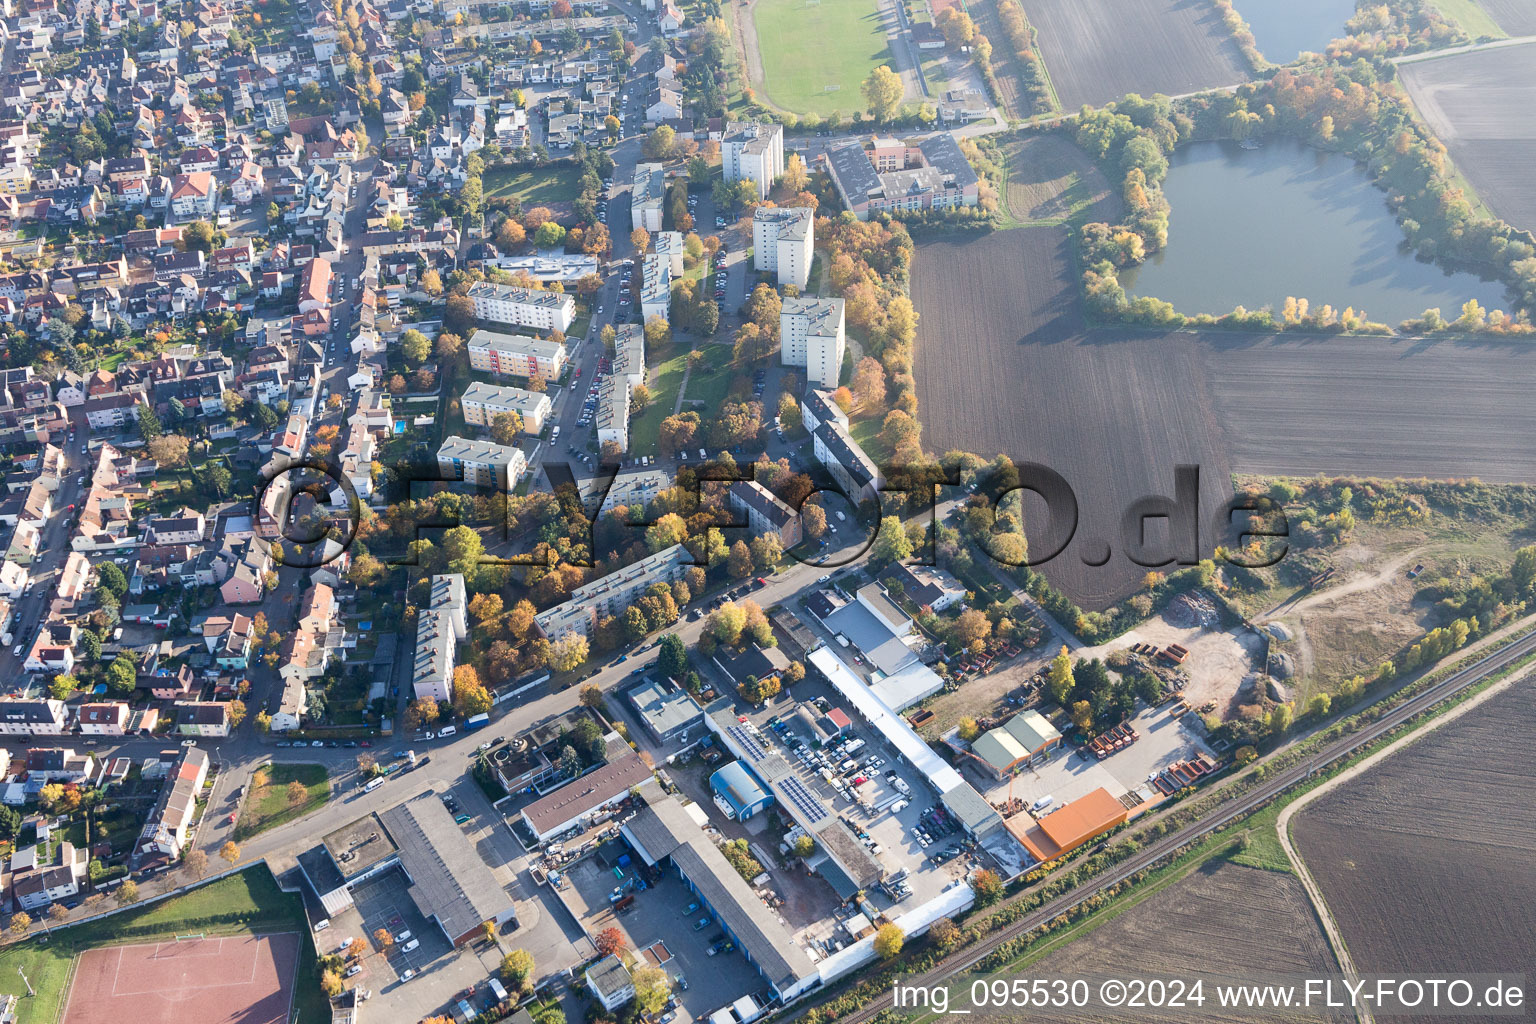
385	902
658	914
1071	774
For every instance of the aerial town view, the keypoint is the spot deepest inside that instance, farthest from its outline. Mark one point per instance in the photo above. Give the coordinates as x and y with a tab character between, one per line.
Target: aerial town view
733	511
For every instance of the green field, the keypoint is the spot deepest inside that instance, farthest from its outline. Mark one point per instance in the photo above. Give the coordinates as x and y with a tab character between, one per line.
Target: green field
710	384
667	364
1474	21
817	53
213	909
555	183
268	806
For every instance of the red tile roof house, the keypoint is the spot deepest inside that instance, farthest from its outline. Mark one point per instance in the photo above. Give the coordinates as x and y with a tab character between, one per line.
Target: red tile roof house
167	685
106	719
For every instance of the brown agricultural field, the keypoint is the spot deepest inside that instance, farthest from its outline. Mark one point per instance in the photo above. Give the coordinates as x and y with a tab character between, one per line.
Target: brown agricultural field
1223	922
1014	371
1517	17
1099	50
1006	364
1479	104
1051	179
1426	859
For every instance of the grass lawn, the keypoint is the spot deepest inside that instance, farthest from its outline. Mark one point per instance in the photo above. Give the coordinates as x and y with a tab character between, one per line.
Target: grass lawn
554	183
268	806
936	72
667	366
867	433
711	382
817	53
1474	21
48	965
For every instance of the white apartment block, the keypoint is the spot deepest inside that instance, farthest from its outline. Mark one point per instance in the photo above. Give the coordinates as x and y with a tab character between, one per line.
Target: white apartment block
753	152
655	287
650	186
482	403
482	463
516	355
612	418
439	628
811	335
783	240
669	246
629	354
611	594
523	307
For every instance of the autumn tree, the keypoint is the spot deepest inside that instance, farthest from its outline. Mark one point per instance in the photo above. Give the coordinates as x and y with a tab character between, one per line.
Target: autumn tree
517	967
652	987
230	852
568	652
988	887
640	239
127	893
888	940
470	696
882	92
795	179
296	793
609	941
869	385
1059	680
195	862
891	543
505	426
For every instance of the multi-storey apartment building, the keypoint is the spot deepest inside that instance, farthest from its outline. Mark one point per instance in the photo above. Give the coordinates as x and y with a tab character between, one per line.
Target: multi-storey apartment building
482	403
523	307
753	152
811	335
482	463
611	594
516	355
783	240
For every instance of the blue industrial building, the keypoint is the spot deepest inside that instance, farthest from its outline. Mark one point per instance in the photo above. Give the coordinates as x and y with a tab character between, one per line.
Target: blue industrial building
740	790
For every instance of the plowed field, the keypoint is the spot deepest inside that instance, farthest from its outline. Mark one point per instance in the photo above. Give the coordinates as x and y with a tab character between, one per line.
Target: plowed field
1426	859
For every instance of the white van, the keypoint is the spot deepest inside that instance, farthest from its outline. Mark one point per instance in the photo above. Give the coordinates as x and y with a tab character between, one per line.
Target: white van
322	924
374	784
840	517
1041	804
902	787
555	434
898	806
703	455
446	731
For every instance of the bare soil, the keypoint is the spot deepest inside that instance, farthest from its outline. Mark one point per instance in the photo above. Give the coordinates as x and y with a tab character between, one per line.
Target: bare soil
1050	178
1099	50
986	696
1517	17
1222	663
1426	859
1014	369
1223	921
1479	104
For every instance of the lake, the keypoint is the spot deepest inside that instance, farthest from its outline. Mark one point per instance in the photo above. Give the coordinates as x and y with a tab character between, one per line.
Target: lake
1285	28
1250	227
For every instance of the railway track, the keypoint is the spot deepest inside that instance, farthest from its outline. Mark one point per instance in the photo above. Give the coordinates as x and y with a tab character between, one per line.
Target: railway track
968	958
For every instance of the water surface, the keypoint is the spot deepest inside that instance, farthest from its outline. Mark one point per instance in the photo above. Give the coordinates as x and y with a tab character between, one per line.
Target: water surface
1285	28
1251	227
